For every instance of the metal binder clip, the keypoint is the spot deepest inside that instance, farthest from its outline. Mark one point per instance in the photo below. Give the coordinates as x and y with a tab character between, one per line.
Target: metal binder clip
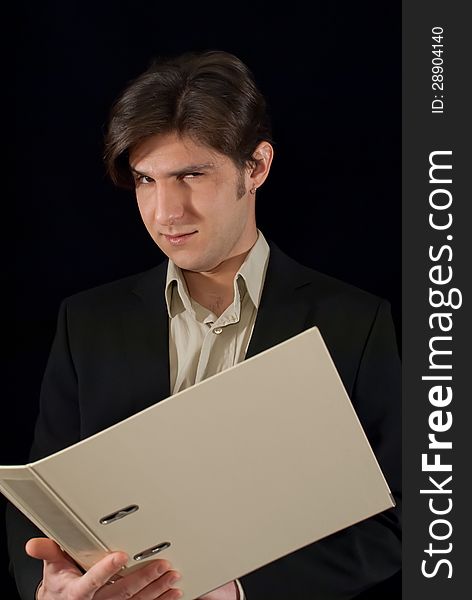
151	551
119	514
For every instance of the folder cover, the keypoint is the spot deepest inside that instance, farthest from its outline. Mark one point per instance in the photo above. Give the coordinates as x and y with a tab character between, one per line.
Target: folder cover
220	479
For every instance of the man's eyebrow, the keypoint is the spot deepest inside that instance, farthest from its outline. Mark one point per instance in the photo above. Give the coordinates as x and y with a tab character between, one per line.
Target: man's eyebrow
183	170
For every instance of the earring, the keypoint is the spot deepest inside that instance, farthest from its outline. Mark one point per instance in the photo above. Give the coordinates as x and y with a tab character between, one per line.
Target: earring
253	190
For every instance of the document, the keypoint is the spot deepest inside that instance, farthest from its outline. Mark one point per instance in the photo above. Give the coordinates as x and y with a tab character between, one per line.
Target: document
222	478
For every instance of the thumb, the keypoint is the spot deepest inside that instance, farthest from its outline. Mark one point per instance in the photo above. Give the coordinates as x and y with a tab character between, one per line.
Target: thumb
47	549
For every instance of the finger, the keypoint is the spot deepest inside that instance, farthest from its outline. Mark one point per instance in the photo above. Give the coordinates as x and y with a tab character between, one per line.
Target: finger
44	549
160	588
98	575
55	559
173	594
146	583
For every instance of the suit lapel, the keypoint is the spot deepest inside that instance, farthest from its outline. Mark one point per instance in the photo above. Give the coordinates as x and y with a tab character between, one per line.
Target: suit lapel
153	323
283	309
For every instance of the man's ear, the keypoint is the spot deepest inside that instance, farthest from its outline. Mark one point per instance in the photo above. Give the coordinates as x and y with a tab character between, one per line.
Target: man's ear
263	155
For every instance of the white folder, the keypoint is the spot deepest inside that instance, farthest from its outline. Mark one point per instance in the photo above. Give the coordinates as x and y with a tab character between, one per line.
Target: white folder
220	479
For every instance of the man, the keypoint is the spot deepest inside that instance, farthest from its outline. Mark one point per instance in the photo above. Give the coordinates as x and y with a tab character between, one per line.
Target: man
191	135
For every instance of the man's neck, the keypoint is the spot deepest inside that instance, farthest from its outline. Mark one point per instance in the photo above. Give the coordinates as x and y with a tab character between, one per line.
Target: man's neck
214	289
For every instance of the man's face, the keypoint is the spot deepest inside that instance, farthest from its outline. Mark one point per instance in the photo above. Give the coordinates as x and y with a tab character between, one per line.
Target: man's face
193	201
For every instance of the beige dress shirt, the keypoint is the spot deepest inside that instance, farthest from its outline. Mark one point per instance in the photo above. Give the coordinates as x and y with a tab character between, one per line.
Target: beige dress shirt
202	344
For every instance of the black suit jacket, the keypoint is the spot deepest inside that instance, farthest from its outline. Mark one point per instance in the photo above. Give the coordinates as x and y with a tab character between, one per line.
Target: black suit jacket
110	359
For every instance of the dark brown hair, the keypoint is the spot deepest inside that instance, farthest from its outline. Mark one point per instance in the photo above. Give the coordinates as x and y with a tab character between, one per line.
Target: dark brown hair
210	96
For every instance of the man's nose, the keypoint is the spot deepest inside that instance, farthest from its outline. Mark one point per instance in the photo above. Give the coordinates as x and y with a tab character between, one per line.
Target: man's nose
168	203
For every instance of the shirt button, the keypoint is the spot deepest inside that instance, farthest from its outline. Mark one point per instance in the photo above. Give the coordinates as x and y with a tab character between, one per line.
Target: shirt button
217	330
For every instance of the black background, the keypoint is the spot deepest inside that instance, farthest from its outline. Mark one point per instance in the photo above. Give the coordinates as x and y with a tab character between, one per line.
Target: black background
332	78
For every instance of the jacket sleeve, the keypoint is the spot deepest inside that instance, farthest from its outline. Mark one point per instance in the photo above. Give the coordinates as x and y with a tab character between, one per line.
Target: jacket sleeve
343	565
57	426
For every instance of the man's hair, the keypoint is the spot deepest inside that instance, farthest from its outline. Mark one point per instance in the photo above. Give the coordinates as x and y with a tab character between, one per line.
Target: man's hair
209	96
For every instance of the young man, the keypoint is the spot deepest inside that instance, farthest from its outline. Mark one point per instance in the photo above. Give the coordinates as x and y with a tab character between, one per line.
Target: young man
191	135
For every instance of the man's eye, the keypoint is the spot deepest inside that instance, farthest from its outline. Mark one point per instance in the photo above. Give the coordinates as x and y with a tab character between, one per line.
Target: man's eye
191	175
144	179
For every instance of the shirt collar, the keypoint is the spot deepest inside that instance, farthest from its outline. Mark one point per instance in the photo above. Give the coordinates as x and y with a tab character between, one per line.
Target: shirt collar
254	268
252	271
177	296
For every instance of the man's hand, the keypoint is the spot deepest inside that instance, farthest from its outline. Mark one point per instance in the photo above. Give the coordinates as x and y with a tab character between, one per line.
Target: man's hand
226	592
62	580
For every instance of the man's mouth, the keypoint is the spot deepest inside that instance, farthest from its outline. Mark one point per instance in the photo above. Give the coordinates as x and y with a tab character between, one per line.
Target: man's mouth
179	238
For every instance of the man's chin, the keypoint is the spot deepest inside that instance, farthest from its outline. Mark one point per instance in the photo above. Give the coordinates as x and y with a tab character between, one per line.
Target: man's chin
189	263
